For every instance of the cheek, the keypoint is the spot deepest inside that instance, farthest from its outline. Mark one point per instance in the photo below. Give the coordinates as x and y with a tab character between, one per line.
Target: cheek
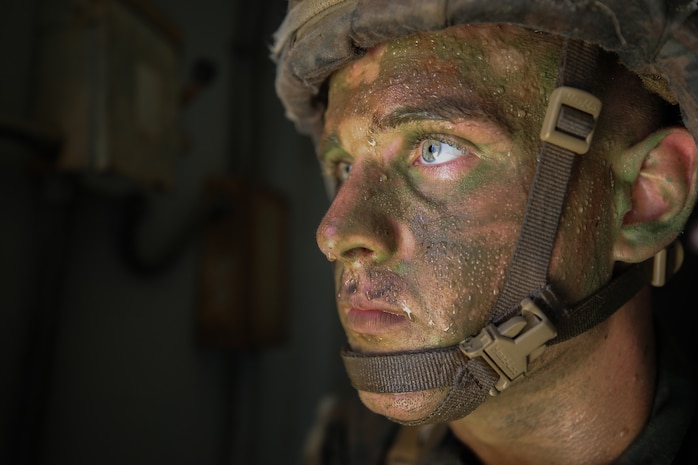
461	261
458	281
582	258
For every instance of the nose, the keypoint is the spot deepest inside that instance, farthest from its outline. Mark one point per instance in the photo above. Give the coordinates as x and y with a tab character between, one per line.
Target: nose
360	225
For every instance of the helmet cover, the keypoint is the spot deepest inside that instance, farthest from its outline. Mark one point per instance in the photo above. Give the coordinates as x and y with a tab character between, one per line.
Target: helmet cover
657	39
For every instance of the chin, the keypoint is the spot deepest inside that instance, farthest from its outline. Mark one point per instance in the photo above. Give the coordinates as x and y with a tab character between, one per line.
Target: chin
404	407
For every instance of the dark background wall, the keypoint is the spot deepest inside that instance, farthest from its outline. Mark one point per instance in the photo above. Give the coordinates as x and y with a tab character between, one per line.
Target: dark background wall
99	360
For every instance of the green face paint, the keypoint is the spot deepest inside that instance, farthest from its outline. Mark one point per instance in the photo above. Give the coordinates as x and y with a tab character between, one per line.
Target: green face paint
421	244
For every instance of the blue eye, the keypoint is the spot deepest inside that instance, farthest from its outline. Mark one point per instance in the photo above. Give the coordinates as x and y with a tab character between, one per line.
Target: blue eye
343	170
435	152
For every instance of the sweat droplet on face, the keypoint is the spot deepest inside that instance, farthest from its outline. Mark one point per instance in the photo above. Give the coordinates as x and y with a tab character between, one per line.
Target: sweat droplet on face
407	311
351	286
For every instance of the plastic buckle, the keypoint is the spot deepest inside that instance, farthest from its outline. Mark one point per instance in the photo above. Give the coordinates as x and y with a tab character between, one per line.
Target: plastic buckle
573	98
511	346
666	263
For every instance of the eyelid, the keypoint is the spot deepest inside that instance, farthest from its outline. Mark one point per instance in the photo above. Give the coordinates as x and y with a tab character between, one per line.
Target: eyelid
331	164
465	148
331	158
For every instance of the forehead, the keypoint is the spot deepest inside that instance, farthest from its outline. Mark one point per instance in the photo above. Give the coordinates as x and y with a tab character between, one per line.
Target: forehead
501	72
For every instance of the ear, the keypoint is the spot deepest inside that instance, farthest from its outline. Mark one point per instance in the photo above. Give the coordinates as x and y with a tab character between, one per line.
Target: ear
656	193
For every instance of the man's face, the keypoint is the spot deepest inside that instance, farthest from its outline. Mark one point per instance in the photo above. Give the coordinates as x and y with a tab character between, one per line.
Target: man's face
433	140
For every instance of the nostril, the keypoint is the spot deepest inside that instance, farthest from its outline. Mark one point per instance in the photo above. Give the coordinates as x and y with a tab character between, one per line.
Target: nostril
358	253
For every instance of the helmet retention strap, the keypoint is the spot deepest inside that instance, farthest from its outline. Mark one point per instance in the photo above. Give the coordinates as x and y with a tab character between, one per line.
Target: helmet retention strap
566	133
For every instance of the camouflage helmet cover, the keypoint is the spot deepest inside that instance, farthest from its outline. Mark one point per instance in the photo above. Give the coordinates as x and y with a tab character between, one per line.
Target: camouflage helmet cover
657	39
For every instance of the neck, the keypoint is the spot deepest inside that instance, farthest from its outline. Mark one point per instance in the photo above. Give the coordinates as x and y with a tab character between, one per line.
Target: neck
584	402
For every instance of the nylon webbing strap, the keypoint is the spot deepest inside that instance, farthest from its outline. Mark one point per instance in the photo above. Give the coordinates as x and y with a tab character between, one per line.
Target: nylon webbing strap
571	322
469	380
404	372
602	304
470	389
528	270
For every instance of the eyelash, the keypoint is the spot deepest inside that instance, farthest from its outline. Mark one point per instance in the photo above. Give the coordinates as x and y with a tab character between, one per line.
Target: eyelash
421	138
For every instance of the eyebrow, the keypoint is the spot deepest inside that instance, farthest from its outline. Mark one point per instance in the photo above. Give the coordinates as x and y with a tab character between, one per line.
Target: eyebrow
450	109
327	144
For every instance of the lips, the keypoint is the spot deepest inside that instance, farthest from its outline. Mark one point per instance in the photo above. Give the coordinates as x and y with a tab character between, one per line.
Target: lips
374	322
368	302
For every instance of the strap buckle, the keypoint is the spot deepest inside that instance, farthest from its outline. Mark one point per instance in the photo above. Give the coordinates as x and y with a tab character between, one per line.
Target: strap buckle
666	263
511	346
559	129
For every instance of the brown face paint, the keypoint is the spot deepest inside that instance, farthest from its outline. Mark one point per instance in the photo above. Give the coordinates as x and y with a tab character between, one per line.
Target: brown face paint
421	250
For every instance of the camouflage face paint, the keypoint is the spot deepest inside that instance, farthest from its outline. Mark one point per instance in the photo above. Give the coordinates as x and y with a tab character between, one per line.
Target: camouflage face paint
421	245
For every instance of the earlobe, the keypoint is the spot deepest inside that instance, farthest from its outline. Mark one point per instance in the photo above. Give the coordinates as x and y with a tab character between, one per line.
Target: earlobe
658	185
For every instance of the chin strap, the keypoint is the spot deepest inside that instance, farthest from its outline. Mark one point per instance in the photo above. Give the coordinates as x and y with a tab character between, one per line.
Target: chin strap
528	314
488	363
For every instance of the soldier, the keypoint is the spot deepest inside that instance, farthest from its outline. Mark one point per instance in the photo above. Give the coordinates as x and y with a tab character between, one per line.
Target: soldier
508	181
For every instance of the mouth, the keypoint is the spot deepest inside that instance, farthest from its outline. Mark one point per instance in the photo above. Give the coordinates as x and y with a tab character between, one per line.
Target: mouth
367	300
374	322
